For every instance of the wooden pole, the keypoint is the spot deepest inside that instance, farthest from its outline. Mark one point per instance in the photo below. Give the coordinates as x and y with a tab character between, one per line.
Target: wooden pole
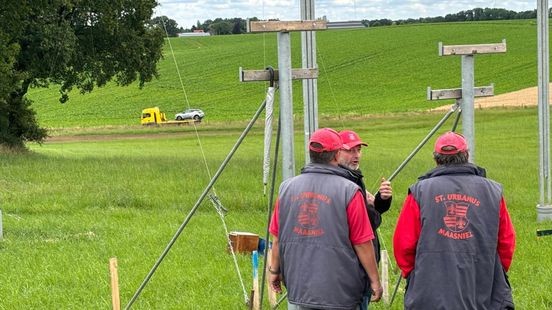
256	293
385	275
272	299
114	284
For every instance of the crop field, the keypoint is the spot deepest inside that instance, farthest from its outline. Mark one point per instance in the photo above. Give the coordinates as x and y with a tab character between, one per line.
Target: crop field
103	187
362	71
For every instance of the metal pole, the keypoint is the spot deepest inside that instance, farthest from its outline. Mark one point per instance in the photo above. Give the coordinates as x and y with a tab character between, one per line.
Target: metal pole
286	104
395	290
310	86
197	204
270	204
421	144
468	126
544	210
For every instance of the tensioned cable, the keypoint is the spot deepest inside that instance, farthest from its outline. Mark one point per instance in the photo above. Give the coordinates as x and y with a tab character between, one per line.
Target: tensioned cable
198	202
209	187
332	92
220	212
187	101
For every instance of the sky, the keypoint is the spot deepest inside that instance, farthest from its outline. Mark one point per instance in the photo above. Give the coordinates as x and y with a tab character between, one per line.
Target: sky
187	12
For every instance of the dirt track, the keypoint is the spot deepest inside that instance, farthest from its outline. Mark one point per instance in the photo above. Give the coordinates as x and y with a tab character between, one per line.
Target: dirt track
521	98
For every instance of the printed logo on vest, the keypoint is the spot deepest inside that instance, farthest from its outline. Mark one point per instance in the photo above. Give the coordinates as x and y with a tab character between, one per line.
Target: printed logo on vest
308	223
456	215
456	220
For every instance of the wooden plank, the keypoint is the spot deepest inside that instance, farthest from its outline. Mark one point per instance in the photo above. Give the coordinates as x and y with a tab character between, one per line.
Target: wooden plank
456	93
116	302
448	50
287	26
264	75
256	292
272	298
384	262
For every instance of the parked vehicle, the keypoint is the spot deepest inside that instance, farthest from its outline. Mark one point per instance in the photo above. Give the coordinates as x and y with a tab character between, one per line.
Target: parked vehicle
195	114
154	116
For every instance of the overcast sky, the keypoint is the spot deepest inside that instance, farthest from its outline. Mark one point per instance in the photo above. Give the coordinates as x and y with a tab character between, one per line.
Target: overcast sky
188	12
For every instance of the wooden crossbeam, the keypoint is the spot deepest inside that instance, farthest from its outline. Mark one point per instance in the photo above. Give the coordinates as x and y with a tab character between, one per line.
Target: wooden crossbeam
287	26
448	50
456	93
264	75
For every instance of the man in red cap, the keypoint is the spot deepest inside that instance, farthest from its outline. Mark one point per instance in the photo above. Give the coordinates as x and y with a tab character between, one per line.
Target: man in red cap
321	235
349	159
454	240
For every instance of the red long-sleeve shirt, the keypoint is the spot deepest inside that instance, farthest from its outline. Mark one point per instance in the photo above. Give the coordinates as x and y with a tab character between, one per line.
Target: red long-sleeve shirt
407	234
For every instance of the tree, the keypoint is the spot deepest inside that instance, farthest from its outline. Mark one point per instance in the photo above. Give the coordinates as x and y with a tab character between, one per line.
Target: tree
170	25
219	27
73	44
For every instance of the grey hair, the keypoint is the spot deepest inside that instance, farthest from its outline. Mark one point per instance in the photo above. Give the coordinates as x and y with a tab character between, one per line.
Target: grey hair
452	159
322	157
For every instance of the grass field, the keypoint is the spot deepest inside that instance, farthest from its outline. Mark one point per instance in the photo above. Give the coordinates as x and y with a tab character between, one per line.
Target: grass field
362	71
71	205
104	187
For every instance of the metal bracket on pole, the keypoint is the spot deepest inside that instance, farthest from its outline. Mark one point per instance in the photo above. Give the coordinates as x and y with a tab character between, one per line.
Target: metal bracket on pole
285	75
465	95
456	93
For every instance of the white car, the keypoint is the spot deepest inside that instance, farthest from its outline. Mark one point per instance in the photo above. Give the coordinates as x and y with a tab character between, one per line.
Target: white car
195	114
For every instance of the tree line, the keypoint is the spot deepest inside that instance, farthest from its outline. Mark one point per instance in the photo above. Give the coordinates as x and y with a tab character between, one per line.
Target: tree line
477	14
237	25
73	44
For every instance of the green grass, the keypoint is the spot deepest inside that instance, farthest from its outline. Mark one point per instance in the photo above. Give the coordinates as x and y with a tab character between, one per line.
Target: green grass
362	71
69	206
105	187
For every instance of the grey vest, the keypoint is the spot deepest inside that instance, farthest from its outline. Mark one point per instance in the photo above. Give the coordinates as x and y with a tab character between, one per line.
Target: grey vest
319	264
457	264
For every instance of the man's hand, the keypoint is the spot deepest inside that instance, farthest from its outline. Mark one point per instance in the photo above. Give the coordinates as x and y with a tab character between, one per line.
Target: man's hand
370	199
377	291
385	190
275	281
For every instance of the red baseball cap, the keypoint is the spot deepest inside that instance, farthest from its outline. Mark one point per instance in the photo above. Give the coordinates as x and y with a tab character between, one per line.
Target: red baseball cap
451	143
328	138
350	139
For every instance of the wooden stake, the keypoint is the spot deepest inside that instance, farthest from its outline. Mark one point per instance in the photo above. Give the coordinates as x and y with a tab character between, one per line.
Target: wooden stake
114	284
272	299
385	275
256	295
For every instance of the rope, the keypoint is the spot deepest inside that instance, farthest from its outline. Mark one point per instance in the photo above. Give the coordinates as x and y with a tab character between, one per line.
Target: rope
197	204
221	212
334	100
187	101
